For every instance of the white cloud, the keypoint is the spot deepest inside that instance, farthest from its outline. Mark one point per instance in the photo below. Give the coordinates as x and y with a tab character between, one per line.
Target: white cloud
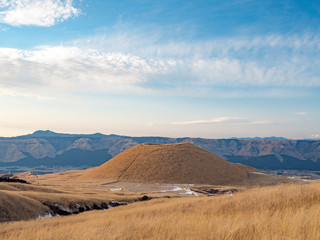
300	113
261	122
134	64
75	69
315	135
36	12
214	120
149	45
223	120
12	93
266	61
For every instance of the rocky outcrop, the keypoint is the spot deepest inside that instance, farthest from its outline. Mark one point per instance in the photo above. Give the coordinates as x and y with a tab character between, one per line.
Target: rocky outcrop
57	209
17	180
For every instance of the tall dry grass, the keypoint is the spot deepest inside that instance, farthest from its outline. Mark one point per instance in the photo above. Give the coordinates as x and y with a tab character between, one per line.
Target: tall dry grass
23	201
290	211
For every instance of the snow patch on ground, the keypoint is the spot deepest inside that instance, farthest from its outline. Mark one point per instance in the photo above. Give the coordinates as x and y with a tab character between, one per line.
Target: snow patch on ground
175	189
66	209
299	179
259	173
115	189
47	215
189	192
181	184
116	203
119	203
178	189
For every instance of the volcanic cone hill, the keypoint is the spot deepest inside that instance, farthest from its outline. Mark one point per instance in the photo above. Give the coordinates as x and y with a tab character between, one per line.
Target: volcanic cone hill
170	163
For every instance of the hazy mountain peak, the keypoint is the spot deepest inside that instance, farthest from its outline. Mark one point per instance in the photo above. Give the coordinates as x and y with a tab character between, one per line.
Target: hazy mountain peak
44	133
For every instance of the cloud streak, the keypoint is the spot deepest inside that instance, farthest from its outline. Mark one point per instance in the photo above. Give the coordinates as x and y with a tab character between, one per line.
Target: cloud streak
189	68
11	93
300	113
152	44
44	13
271	60
73	68
223	120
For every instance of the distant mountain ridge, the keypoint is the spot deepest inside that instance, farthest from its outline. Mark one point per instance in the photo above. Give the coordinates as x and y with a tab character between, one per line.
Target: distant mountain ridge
47	148
264	138
48	133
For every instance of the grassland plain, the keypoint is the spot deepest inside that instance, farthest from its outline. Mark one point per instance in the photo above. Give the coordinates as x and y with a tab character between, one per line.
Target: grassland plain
287	211
23	201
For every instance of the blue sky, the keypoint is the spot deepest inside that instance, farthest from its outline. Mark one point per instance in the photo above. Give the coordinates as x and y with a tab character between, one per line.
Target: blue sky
213	69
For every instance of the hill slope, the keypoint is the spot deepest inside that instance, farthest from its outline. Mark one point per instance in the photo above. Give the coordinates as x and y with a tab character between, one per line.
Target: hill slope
170	163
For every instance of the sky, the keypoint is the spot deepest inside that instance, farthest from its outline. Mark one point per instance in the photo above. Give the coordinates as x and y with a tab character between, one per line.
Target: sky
174	68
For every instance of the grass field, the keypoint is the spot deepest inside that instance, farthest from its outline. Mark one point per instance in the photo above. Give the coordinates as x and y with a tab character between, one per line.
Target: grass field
28	201
288	211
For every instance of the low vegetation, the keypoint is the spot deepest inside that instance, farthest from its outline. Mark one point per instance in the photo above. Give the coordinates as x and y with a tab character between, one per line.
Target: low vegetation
26	201
288	211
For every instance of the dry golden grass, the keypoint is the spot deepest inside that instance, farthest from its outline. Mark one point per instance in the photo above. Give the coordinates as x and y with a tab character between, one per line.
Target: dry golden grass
170	163
289	211
23	201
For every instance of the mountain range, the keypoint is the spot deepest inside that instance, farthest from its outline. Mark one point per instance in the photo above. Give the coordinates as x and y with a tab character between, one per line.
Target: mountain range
47	148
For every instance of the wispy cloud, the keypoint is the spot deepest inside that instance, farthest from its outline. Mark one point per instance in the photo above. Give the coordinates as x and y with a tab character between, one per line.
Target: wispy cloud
11	93
214	120
151	44
262	122
43	13
223	120
118	64
68	68
271	60
300	113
